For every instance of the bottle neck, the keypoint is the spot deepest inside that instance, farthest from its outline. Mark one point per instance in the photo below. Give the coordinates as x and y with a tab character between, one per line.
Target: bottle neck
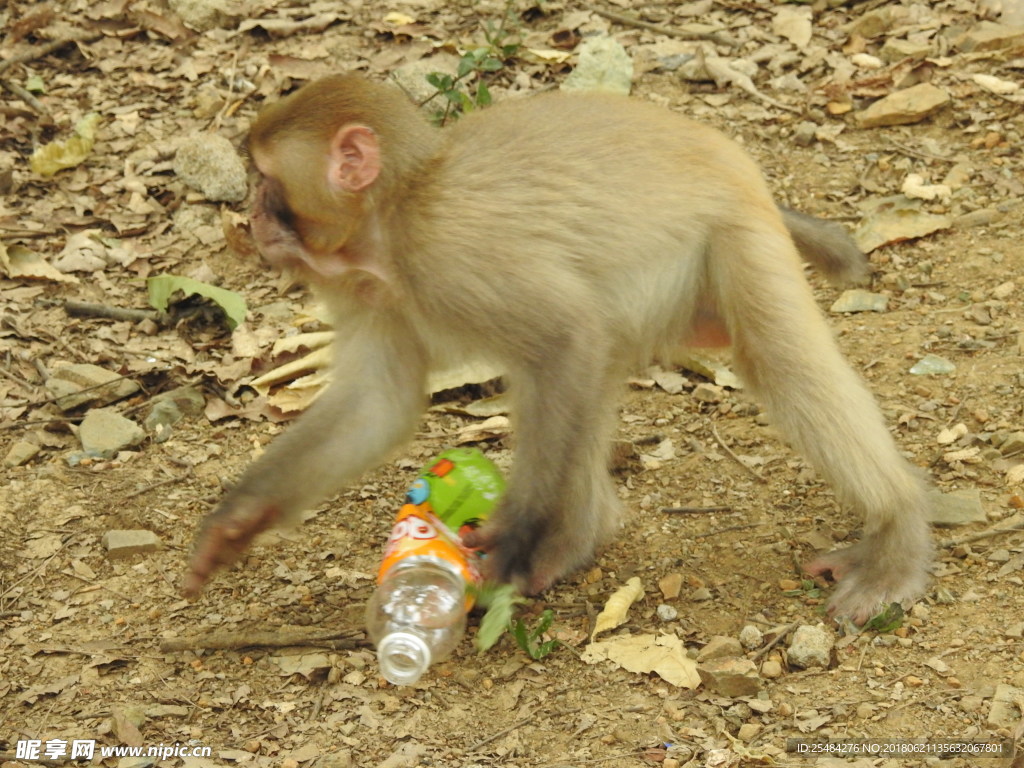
403	657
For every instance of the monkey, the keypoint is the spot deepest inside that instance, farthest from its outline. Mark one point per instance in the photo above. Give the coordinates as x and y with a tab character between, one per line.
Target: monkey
568	239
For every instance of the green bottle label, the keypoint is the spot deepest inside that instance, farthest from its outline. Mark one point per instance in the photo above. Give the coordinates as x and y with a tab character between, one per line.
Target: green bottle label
462	487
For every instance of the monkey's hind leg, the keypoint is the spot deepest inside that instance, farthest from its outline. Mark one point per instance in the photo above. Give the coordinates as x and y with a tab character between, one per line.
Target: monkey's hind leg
785	351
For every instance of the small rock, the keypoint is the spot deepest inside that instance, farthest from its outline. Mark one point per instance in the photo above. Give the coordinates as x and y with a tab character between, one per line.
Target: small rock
940	666
771	669
730	677
979	218
1013	444
700	595
672	382
1004	713
910	105
932	364
161	418
805	133
412	76
603	66
209	164
955	508
874	23
865	710
21	452
748	731
342	759
121	544
718	647
751	637
190	401
1003	291
794	24
859	300
103	432
951	435
667	612
988	36
897	50
708	393
999	556
200	15
671	585
867	61
761	706
81	383
811	647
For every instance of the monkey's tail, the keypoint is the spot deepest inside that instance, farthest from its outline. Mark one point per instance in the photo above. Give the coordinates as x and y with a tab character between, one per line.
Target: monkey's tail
827	247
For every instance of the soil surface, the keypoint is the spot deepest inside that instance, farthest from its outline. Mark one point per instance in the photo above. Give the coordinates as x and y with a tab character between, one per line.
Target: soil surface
95	647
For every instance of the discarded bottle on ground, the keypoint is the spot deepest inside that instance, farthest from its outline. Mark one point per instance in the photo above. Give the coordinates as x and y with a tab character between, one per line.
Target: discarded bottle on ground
417	614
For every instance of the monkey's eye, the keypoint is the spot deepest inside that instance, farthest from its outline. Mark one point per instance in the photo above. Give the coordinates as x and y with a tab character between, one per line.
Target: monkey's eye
274	202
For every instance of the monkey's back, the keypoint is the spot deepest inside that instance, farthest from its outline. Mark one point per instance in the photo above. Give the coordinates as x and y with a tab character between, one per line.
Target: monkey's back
597	196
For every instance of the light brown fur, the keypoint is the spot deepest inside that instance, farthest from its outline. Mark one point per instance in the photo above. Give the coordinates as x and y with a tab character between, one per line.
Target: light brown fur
570	239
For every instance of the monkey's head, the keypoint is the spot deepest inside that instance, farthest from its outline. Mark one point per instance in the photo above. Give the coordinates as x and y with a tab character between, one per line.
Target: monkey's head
328	154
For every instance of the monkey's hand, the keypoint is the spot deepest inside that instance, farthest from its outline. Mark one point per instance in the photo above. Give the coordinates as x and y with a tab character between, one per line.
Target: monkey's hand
224	536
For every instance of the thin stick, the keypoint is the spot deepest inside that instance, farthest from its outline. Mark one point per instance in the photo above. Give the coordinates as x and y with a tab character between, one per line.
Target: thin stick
734	457
45	50
25	96
715	35
88	309
983	535
776	640
158	484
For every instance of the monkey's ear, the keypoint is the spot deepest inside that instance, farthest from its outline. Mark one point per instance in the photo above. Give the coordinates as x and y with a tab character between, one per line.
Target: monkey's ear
355	158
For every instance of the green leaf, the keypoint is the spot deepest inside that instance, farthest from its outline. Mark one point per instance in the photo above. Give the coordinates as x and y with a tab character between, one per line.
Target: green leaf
500	601
441	81
888	620
162	287
528	639
491	64
483	95
466	65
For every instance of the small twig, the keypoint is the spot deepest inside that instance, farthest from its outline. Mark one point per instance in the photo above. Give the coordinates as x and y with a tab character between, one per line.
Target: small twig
919	154
25	96
45	50
734	457
158	484
88	309
776	640
694	510
227	641
983	535
683	33
18	759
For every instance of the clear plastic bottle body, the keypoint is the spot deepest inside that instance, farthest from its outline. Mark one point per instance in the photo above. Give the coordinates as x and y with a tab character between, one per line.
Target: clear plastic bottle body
417	616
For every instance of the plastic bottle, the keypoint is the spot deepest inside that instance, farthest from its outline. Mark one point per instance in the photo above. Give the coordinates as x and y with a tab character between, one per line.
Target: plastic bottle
417	614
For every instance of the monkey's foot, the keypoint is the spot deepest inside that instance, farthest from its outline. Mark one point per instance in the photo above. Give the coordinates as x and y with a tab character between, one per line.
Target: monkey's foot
225	534
522	560
869	578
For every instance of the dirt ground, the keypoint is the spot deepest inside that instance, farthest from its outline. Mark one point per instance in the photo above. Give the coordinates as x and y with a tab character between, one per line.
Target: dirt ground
106	649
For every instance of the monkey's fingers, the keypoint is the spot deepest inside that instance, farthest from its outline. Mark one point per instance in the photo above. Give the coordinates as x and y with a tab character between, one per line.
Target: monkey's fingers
509	559
225	535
